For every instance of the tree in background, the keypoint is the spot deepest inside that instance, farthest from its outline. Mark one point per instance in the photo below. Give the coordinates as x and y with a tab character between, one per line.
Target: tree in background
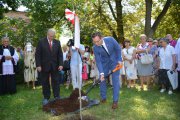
45	14
17	30
118	18
150	30
6	4
170	24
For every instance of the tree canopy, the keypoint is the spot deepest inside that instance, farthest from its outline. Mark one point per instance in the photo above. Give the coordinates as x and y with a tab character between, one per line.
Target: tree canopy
122	19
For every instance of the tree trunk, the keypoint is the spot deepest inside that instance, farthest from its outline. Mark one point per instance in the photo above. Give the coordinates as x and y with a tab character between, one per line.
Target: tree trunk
104	17
120	30
159	18
149	31
148	17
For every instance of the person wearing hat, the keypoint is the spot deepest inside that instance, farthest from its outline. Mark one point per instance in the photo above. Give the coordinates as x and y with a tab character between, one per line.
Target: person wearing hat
167	62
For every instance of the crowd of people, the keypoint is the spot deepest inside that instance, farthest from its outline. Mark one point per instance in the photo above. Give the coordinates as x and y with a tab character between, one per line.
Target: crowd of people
147	63
165	57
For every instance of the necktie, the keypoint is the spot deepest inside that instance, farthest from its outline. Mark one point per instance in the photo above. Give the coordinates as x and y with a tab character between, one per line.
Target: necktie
50	44
104	49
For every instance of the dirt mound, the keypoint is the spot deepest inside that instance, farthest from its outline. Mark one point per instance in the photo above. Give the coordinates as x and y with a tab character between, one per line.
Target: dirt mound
66	105
75	94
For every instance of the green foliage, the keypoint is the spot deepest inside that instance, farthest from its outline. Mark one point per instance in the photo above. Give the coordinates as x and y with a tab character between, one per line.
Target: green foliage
6	4
45	14
17	30
94	16
171	22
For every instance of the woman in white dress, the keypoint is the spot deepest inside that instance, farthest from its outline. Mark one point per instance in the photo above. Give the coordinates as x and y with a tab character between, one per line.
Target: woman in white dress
129	54
30	72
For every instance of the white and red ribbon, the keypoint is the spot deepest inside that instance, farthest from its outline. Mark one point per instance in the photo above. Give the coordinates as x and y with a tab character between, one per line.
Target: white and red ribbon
70	15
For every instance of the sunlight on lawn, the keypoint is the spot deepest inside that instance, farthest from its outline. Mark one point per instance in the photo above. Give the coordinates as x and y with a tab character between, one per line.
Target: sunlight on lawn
133	105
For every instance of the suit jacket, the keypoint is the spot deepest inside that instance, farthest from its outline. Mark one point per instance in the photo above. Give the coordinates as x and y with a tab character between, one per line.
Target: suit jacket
104	61
48	59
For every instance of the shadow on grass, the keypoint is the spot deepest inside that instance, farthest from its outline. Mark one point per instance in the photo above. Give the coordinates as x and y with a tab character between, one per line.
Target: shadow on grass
133	105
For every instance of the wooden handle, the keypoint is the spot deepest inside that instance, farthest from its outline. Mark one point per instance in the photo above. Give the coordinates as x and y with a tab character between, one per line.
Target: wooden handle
118	67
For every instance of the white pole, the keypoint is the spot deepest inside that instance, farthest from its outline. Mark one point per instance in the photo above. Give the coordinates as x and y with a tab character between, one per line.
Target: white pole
78	77
79	84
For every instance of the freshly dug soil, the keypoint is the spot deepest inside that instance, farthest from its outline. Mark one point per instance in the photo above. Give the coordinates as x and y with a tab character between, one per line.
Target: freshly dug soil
66	105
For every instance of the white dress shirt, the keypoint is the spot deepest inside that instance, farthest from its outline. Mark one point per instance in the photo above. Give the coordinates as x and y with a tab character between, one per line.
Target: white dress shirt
166	59
7	65
104	45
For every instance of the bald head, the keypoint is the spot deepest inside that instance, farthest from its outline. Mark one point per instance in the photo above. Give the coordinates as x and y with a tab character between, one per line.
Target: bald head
51	34
5	41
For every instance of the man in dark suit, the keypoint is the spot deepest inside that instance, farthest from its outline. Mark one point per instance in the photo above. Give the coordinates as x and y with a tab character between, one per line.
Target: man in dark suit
107	54
49	60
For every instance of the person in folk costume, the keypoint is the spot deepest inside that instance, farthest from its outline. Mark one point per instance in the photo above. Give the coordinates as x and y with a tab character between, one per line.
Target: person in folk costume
8	60
30	72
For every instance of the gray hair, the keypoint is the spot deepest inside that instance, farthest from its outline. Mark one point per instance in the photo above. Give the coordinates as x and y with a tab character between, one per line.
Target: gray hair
3	38
165	40
51	30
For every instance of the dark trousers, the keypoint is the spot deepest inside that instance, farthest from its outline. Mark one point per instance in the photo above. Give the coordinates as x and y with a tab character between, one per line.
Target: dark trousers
44	76
61	78
7	84
163	79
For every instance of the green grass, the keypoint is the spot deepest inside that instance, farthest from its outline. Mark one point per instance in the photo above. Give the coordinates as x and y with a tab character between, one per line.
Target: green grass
133	105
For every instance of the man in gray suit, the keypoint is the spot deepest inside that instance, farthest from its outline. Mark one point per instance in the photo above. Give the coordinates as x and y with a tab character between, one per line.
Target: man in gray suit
49	60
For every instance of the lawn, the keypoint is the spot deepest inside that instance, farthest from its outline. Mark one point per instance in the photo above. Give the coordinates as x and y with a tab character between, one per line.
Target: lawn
133	105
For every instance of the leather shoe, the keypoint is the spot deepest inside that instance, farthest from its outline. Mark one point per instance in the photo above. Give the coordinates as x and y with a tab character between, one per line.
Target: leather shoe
103	101
114	105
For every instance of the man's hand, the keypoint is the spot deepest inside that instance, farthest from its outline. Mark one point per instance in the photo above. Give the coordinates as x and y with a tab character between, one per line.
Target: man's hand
130	61
39	69
173	67
102	77
60	68
120	63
